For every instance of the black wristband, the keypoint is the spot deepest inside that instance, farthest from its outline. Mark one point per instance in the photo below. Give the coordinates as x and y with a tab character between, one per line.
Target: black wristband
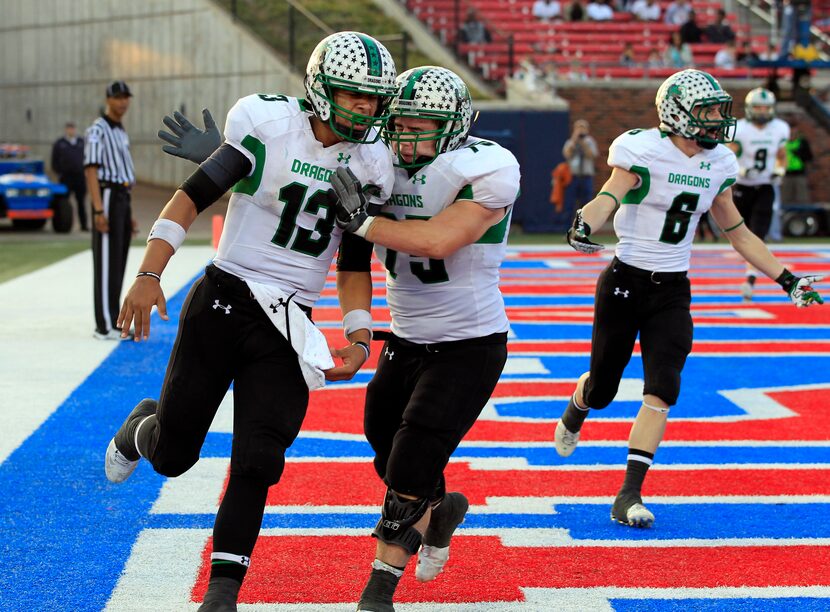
786	279
153	274
97	212
365	347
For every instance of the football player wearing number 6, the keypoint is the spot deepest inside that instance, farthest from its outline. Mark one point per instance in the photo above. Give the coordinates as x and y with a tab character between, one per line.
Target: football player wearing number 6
442	236
662	180
247	319
759	145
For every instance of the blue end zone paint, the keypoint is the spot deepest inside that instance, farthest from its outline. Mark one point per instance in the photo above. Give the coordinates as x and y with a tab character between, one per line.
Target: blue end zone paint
780	604
54	484
589	521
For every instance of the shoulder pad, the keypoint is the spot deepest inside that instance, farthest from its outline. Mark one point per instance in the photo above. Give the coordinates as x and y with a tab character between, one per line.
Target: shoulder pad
634	148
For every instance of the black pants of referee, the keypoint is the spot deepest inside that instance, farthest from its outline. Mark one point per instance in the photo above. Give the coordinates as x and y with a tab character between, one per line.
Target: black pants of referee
755	205
225	337
631	301
109	255
421	402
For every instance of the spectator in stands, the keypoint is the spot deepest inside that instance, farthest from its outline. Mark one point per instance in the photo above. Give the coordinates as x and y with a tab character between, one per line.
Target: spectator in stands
575	11
771	54
795	189
690	32
654	60
600	10
789	28
646	10
677	13
628	59
726	57
747	56
719	31
678	54
547	10
473	29
580	151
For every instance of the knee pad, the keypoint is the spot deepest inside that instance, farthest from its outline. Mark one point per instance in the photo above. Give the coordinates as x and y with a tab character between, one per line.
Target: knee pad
262	462
398	517
666	386
417	462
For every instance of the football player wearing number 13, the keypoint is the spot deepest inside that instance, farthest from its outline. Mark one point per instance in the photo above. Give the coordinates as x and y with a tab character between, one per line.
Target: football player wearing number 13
247	320
665	178
442	236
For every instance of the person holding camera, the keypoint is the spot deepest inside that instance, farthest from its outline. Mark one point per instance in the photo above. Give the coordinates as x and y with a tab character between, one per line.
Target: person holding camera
580	150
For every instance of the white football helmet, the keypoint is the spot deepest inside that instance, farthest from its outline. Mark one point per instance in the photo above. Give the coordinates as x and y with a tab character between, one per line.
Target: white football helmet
351	61
759	105
686	104
430	92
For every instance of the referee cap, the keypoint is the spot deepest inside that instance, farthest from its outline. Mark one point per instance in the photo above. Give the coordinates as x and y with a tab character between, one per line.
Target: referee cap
118	88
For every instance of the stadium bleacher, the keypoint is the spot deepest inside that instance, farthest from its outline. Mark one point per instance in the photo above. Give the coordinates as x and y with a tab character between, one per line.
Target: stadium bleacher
587	49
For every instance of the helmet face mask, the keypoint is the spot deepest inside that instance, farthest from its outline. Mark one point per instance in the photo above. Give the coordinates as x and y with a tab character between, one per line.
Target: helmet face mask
759	106
686	104
352	62
428	93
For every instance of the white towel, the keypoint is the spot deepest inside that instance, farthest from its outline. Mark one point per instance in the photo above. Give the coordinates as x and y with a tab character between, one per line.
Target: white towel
308	341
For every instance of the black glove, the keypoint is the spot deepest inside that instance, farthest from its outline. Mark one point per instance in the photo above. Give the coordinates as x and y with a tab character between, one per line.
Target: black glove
188	141
578	236
350	211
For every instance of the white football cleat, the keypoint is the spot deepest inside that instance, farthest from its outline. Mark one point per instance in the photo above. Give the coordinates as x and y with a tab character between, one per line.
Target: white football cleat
116	466
636	515
431	562
565	440
747	289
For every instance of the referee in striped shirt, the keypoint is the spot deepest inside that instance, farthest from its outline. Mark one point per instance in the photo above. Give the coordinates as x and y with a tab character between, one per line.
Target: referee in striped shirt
109	172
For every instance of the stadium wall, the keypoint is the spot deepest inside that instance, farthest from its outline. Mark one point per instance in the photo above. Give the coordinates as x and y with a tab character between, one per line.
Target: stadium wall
189	54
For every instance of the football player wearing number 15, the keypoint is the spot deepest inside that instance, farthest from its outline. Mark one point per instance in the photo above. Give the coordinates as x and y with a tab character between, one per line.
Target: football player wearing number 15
246	321
665	178
442	236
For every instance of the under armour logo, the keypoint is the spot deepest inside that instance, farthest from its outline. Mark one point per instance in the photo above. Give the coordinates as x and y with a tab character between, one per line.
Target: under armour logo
618	291
419	179
227	308
705	165
389	353
280	302
246	561
343	158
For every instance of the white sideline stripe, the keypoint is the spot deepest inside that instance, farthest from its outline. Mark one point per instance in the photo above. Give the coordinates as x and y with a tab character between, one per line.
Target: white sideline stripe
50	313
147	584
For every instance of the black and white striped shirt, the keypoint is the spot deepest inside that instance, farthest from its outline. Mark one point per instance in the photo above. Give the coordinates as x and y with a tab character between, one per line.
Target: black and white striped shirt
108	147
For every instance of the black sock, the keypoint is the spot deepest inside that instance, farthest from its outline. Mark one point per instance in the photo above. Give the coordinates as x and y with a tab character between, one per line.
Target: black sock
148	437
380	590
635	472
750	278
574	417
237	525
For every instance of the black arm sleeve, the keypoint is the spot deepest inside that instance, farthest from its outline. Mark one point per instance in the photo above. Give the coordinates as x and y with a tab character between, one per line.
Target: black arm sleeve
218	173
355	254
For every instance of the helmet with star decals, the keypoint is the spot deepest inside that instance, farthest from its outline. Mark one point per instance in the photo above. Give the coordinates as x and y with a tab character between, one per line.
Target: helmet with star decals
428	93
354	62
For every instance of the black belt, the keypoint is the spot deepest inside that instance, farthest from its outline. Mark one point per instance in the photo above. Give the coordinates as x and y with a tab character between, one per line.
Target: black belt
438	347
116	186
653	276
236	286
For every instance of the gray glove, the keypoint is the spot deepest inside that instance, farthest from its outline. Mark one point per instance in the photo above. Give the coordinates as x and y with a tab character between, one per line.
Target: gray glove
350	210
188	141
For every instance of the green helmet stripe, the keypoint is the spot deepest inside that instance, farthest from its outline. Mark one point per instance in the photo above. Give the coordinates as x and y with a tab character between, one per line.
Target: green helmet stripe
375	67
711	80
409	90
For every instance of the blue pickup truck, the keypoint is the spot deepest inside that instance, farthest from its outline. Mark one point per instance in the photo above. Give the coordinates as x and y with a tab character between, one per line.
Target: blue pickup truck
27	196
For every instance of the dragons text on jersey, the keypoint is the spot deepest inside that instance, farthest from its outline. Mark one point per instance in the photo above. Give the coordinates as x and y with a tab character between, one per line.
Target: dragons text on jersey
438	300
280	223
657	219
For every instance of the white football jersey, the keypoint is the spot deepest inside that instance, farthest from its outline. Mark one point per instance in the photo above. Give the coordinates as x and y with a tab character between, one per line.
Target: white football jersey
757	149
457	298
656	221
280	226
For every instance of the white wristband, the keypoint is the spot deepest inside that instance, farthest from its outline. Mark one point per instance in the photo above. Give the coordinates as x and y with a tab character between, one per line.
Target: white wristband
361	231
169	231
357	319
